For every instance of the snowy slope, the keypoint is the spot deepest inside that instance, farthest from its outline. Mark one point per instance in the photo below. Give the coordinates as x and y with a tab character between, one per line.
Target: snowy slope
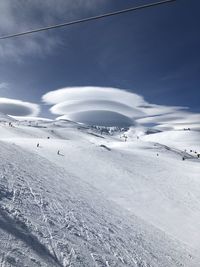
179	139
103	202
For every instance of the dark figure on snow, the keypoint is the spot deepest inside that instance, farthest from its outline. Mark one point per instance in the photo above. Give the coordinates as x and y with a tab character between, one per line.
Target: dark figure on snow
58	153
183	158
125	137
38	144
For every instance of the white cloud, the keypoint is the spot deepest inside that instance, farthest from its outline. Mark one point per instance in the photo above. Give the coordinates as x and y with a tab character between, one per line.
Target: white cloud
114	106
153	110
174	120
92	93
18	108
108	106
4	85
100	118
177	117
103	105
94	105
19	16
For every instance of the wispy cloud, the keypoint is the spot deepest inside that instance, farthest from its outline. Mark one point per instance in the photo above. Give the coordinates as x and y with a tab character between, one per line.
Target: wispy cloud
17	16
175	120
4	85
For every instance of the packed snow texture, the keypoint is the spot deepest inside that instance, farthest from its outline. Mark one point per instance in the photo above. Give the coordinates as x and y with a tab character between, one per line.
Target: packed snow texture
100	201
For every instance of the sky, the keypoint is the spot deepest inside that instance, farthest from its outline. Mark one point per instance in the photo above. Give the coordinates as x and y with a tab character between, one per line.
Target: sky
153	54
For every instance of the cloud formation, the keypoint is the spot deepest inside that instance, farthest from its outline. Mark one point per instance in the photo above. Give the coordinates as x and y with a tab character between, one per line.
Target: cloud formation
18	108
96	105
116	107
93	93
174	120
4	85
100	118
36	14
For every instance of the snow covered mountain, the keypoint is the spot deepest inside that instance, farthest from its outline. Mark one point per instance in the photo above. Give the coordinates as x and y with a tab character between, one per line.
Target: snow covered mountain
73	196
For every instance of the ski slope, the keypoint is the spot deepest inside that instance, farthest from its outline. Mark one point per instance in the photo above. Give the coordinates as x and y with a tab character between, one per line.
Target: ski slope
189	140
101	202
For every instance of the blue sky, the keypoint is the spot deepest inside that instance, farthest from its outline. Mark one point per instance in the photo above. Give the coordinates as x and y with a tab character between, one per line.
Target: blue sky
153	52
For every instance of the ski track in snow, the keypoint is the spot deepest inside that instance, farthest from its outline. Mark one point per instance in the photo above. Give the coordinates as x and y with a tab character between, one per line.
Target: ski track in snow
51	217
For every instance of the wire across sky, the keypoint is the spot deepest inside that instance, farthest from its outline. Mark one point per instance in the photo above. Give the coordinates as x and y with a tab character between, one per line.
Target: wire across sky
65	24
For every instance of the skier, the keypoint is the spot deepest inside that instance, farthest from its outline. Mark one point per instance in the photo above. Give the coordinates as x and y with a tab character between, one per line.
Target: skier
58	153
38	144
125	137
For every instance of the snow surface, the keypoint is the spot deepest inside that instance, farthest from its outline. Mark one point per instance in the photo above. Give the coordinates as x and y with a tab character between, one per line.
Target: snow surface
102	201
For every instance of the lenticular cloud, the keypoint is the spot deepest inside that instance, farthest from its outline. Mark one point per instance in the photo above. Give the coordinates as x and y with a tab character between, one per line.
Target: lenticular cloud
93	93
100	118
16	107
93	105
96	105
114	107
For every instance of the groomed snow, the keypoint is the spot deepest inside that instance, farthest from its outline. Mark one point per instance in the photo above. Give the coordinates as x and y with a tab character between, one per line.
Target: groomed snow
100	202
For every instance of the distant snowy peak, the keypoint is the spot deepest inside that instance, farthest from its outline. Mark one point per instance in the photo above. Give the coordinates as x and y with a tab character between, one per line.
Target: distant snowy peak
114	130
31	118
